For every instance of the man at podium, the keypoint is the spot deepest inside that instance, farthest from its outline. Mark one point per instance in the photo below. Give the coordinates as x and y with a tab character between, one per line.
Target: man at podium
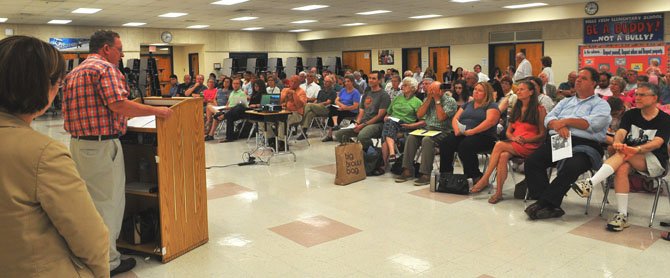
95	113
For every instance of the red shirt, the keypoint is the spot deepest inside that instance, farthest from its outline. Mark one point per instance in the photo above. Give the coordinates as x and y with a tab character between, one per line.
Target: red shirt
87	93
209	94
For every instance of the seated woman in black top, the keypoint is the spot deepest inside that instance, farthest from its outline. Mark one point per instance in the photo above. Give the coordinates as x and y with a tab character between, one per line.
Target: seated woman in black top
258	89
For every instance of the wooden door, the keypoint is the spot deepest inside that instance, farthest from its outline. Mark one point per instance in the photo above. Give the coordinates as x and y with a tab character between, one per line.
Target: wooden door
357	60
193	64
439	60
534	52
503	57
413	58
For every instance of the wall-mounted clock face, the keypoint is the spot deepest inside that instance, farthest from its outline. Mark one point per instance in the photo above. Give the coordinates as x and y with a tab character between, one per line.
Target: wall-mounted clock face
591	8
166	37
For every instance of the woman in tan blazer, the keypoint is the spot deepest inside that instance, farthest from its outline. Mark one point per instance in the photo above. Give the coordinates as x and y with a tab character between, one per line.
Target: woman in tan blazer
49	226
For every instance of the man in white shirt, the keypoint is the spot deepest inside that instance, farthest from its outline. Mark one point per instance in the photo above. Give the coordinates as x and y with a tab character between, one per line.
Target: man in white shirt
480	75
603	89
524	68
311	88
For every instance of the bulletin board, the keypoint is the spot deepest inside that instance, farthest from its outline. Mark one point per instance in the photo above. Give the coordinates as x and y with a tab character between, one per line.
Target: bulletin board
637	57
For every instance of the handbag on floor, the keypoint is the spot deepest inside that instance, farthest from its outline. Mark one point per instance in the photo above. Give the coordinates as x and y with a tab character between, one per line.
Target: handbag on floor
350	166
453	183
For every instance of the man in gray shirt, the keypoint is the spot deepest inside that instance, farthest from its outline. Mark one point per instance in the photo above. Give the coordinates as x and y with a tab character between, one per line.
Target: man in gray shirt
371	112
326	97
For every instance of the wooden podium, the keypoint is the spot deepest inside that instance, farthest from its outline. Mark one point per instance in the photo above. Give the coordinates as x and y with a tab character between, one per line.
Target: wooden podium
167	158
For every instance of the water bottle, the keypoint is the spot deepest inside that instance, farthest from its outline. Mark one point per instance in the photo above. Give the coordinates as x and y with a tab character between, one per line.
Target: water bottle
434	179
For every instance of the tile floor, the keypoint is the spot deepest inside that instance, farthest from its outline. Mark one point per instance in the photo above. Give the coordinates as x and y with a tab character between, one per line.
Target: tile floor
289	220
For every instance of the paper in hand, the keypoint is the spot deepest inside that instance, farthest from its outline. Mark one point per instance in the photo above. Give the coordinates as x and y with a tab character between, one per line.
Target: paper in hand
561	148
394	119
461	127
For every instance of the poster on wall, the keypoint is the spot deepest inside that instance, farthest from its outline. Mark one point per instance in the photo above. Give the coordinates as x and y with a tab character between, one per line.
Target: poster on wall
624	29
70	44
637	57
386	57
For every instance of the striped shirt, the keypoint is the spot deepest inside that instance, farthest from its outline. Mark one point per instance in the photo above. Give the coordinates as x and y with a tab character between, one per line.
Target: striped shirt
87	93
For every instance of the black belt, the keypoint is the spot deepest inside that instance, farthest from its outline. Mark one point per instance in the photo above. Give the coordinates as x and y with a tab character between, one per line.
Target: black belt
96	137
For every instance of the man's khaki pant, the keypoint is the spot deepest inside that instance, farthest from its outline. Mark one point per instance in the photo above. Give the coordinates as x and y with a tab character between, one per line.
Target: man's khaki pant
313	110
100	164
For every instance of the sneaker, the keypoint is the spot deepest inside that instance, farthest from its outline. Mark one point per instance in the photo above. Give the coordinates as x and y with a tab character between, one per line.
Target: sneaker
405	176
547	212
209	138
618	222
125	266
583	188
327	139
422	180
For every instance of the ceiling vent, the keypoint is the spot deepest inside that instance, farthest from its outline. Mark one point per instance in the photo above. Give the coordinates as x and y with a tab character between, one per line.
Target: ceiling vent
515	36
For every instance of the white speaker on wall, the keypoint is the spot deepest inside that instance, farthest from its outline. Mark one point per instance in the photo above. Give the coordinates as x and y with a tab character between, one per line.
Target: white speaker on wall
9	32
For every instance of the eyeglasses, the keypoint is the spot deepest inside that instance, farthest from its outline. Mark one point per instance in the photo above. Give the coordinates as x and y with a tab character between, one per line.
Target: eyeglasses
643	95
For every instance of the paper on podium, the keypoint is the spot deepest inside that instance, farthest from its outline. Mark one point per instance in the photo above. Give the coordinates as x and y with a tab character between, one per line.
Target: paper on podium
144	121
424	132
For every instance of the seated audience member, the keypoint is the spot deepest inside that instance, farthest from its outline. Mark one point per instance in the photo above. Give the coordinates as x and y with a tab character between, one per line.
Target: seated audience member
393	87
418	74
311	88
423	88
209	100
544	100
222	78
449	75
340	82
481	77
407	73
212	76
360	84
437	111
458	92
371	114
403	109
196	89
640	144
325	98
603	89
49	224
617	109
546	69
510	71
429	73
585	118
507	103
221	100
653	68
347	103
480	117
459	74
525	134
236	98
631	80
272	88
184	86
567	89
497	74
616	87
293	99
174	86
547	88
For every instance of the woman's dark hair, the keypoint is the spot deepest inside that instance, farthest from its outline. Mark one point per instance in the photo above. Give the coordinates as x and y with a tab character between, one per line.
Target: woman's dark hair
546	61
616	104
29	67
262	87
497	72
464	95
230	83
532	115
100	38
498	89
459	72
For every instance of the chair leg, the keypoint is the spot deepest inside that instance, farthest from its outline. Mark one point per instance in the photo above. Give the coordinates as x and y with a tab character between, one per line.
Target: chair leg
660	182
253	128
588	200
606	191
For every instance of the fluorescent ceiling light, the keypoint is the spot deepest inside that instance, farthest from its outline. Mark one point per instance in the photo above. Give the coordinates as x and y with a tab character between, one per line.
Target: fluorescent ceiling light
159	44
164	49
354	24
310	7
244	18
134	24
304	21
86	11
464	1
229	2
425	16
521	6
374	12
173	15
299	30
3	19
197	26
252	28
59	21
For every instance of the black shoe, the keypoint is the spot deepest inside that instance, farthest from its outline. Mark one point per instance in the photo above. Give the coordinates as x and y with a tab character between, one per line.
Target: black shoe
548	212
336	128
209	138
327	139
125	266
530	210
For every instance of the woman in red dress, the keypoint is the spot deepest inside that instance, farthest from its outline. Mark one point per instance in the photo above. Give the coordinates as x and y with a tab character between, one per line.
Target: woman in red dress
525	134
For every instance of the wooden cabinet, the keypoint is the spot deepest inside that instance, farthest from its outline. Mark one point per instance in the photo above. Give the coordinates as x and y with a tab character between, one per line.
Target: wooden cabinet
170	156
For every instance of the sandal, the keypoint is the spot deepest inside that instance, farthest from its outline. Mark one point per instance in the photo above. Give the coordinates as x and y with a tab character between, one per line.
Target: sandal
665	235
392	158
495	198
478	189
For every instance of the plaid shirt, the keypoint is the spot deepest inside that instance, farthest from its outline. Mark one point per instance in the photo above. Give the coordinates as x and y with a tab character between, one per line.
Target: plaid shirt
87	93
